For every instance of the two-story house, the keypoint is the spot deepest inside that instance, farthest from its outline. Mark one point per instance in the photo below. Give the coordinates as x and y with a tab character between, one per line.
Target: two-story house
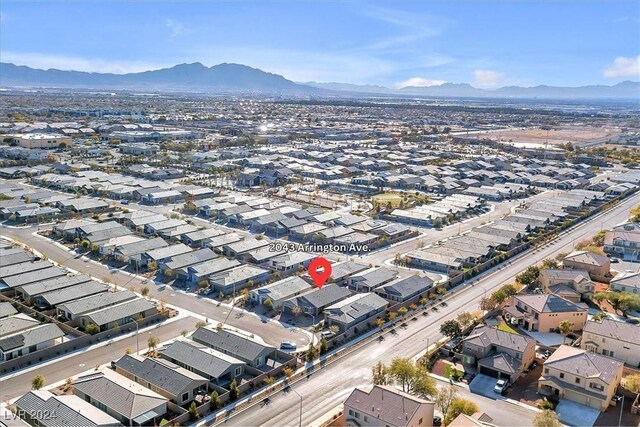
498	353
544	313
386	406
580	376
597	265
612	338
626	282
623	241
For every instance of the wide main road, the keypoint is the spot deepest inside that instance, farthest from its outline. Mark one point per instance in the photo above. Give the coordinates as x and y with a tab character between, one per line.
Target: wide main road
330	386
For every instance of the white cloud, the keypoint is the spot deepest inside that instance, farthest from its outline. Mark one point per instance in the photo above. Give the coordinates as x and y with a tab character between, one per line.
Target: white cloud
488	78
62	62
175	28
419	82
624	67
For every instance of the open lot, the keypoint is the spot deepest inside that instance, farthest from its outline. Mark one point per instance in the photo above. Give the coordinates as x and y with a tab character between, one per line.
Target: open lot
537	137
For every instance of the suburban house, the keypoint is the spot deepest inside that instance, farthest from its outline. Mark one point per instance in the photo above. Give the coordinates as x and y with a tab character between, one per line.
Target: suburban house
69	410
544	313
498	353
580	376
234	344
315	301
623	241
569	284
123	399
353	310
237	278
72	309
614	339
402	290
368	280
118	314
381	405
279	291
30	340
597	265
478	419
165	378
217	367
626	282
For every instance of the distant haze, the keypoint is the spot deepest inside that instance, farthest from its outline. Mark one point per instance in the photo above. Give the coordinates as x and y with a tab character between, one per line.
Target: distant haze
237	78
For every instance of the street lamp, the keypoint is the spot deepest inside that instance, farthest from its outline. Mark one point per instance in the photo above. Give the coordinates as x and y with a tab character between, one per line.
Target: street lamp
137	337
621	400
300	421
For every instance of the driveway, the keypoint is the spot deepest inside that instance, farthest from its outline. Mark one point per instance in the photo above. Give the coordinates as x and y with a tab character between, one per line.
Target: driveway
575	414
483	385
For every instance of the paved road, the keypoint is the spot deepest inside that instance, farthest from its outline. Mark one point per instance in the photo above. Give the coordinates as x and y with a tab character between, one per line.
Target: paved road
61	369
203	307
331	385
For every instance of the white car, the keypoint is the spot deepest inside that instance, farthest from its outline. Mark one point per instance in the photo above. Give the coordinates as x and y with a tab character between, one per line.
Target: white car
501	386
286	345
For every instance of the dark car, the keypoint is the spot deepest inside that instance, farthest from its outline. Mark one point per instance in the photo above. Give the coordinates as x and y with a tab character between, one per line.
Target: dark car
437	421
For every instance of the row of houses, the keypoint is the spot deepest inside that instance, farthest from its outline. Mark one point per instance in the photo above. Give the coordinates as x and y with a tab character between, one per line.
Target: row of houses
139	390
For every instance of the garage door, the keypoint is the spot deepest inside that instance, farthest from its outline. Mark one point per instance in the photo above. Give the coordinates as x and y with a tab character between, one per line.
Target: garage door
488	371
577	397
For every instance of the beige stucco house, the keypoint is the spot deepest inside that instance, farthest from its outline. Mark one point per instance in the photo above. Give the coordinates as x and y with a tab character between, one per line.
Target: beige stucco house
612	338
580	376
597	265
544	313
386	406
498	353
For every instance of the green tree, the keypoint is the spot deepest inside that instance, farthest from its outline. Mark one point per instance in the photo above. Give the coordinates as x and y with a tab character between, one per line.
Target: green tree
632	383
488	304
465	319
450	328
460	406
92	328
528	276
152	343
324	346
546	418
566	327
152	266
413	378
549	263
268	304
380	374
85	244
215	400
402	311
234	393
598	239
37	382
145	291
200	324
445	397
193	411
312	352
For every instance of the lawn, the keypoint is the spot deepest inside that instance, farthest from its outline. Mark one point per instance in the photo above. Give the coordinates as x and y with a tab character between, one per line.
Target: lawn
449	369
507	328
386	198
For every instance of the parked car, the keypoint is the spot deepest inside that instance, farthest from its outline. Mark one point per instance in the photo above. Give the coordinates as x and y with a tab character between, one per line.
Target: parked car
501	386
614	260
287	345
327	334
125	202
437	421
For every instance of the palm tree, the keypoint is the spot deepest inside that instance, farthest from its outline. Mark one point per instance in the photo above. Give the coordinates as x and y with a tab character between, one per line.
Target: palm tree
566	327
152	343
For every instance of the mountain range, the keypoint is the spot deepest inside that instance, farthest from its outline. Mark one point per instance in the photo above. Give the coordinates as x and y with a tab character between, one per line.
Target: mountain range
237	78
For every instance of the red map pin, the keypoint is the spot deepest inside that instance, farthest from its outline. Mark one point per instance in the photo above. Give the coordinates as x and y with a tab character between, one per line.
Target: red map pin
320	277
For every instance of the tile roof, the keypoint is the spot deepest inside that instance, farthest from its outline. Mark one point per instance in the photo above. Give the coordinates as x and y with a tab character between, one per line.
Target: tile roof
200	358
614	329
485	336
161	373
549	303
69	410
386	404
231	343
584	363
118	393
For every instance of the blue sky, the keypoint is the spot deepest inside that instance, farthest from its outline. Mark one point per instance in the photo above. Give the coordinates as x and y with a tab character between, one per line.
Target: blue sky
391	43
